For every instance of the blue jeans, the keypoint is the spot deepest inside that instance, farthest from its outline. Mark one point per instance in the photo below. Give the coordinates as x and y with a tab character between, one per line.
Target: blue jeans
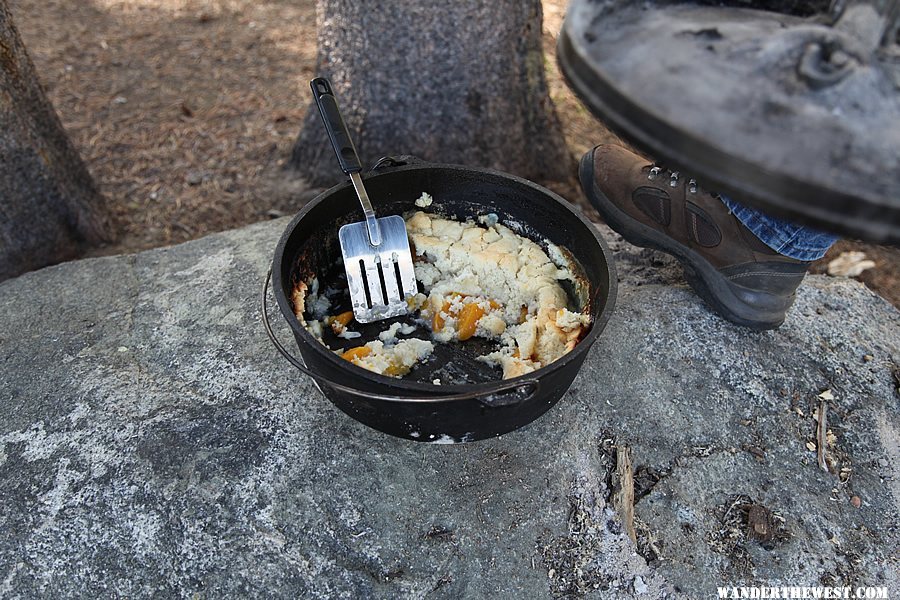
795	241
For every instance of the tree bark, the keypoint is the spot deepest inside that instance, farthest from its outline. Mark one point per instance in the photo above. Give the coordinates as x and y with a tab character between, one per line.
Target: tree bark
457	82
49	206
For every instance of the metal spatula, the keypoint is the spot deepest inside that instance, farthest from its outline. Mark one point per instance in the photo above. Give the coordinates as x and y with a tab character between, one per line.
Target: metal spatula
376	252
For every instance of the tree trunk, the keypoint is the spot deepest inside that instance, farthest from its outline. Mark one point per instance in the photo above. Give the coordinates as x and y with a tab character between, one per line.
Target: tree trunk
49	206
457	82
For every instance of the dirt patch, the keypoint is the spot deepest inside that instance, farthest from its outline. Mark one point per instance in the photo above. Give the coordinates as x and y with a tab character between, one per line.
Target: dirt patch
182	109
883	278
185	110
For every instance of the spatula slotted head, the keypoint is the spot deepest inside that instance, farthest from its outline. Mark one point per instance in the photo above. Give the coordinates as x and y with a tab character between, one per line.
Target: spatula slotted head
381	277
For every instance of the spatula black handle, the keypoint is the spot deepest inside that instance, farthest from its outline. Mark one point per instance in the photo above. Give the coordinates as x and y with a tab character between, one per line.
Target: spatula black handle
335	126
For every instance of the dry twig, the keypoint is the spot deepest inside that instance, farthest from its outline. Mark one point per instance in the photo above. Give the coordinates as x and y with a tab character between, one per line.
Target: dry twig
623	500
821	435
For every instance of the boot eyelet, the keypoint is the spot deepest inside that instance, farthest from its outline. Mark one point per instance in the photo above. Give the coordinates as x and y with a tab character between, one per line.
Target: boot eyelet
673	182
692	186
654	173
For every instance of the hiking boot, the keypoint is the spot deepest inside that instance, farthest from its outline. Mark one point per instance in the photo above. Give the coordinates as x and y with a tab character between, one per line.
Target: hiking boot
740	277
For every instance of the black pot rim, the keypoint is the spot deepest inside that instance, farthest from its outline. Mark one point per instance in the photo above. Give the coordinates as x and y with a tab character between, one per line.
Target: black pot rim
413	387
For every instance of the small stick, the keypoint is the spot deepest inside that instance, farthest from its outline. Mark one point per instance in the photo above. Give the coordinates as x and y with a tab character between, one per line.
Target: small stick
821	435
624	497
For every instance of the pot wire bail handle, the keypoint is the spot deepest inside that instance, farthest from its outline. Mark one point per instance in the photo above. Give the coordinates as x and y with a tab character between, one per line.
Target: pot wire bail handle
490	397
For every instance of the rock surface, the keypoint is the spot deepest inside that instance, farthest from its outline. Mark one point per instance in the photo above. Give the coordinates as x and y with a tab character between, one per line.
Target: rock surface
153	443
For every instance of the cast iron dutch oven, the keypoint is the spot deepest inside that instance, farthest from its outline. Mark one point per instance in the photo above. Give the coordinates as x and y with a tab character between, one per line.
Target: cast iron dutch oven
471	403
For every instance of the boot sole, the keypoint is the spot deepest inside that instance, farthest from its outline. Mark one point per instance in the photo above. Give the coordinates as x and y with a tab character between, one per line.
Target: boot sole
703	278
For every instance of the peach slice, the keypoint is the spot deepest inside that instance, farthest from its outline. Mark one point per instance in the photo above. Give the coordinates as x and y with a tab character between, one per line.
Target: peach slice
356	353
468	320
339	322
